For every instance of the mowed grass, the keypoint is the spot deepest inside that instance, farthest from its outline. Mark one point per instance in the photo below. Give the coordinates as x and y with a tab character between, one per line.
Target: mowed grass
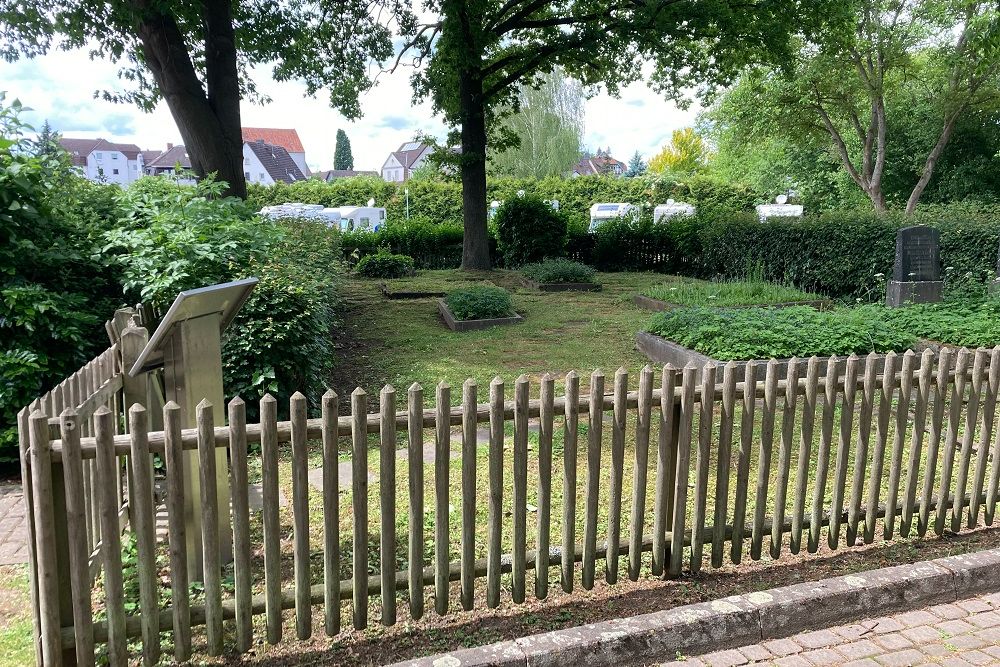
16	648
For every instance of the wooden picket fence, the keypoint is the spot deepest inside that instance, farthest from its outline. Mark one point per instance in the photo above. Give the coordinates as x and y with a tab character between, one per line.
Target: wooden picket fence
904	444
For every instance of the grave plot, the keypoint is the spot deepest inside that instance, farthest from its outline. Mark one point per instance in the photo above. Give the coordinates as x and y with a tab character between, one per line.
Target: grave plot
731	294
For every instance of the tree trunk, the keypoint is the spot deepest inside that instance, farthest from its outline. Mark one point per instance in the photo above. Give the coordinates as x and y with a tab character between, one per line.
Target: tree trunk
931	162
476	241
208	122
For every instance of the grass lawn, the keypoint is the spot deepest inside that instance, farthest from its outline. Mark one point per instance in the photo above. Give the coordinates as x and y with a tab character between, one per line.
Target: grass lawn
16	648
730	293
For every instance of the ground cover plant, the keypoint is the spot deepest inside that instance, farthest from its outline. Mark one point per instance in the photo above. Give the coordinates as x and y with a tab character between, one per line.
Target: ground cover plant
480	302
558	270
762	333
747	292
384	264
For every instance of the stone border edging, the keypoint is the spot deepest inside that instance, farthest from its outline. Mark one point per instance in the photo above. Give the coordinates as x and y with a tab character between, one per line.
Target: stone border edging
740	620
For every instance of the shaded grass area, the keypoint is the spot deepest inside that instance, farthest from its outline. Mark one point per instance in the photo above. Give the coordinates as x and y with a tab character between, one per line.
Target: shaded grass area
16	648
728	293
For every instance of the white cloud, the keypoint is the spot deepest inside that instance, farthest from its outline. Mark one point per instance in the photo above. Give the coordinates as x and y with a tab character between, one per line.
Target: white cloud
58	88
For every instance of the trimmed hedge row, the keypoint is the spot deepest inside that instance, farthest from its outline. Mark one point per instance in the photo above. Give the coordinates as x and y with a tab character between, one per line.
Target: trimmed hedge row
835	254
440	202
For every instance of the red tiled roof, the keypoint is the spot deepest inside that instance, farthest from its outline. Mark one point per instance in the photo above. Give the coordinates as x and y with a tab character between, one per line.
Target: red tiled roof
286	138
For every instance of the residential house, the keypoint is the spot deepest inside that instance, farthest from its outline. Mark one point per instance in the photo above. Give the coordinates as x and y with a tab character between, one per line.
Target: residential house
105	161
286	138
268	164
600	164
331	175
168	161
400	164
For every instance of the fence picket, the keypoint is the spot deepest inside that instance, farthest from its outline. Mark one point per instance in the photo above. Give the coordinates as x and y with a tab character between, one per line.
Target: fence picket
640	471
805	453
971	417
951	439
330	407
269	511
239	488
991	489
878	453
495	519
683	468
415	467
176	530
469	437
728	406
571	424
665	468
111	545
387	502
595	428
924	390
865	416
24	435
442	456
784	455
823	454
899	437
764	458
212	564
843	449
703	464
939	394
747	405
300	514
989	403
520	495
544	500
76	533
615	474
143	515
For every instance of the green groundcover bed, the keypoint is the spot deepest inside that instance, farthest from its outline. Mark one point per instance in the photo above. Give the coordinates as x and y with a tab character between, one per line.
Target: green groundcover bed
730	293
801	331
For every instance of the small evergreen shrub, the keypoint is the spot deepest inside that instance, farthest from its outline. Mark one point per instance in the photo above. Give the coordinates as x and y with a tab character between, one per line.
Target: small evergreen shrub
558	270
384	264
529	230
479	303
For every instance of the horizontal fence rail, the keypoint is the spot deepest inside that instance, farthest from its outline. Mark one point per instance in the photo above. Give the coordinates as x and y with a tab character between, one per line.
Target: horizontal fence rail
679	470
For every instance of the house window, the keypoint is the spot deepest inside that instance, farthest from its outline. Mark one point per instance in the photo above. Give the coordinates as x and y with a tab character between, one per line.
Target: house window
99	155
114	156
246	174
262	176
114	171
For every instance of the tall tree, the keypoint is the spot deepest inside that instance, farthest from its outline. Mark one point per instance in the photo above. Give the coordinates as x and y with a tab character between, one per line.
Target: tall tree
198	56
686	153
939	56
342	156
474	53
636	166
46	144
544	132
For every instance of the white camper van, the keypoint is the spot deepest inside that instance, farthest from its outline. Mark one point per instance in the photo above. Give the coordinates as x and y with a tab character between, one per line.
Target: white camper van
600	213
670	209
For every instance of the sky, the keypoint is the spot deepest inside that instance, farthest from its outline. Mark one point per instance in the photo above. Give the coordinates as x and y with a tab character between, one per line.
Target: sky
60	87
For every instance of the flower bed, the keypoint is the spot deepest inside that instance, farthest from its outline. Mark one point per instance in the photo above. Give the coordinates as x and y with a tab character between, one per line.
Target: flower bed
473	308
560	275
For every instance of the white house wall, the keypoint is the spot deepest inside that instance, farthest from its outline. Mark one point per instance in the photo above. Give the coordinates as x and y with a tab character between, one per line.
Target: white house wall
253	169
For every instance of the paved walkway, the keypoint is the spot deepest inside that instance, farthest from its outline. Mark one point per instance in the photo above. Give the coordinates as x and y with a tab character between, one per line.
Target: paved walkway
13	530
959	634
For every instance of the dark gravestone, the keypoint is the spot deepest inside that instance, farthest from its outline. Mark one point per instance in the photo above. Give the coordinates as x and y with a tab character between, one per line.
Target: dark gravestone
916	274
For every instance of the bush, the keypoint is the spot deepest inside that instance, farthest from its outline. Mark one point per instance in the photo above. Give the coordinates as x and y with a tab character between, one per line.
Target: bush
529	230
384	264
431	246
762	333
558	270
479	303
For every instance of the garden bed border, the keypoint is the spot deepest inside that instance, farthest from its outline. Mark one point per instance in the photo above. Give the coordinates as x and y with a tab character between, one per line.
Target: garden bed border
403	294
456	324
562	287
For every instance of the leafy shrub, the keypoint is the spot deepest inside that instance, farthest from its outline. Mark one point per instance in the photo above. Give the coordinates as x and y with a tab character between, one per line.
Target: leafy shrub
558	270
431	246
972	323
529	230
384	264
55	288
479	303
761	333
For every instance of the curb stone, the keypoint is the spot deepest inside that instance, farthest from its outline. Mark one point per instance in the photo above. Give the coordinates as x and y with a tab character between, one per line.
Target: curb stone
740	620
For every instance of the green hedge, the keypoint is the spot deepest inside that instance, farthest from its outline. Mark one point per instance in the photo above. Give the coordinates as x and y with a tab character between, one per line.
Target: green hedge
440	202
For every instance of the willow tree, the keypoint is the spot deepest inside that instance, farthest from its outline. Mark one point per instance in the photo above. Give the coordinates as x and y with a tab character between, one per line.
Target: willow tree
474	54
198	57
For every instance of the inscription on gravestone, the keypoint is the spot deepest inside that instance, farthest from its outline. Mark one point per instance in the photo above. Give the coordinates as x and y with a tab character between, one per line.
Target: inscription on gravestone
916	274
918	254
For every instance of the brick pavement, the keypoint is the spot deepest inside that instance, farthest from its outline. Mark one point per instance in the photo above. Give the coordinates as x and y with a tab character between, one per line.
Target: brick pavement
13	530
955	635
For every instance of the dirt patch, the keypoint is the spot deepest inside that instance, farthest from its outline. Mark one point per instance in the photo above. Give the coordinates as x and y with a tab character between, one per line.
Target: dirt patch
433	634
